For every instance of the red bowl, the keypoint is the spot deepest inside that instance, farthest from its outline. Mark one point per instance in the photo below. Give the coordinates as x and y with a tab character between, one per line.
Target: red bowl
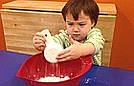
36	67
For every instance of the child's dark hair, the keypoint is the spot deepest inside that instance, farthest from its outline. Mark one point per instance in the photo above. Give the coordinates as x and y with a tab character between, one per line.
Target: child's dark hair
74	7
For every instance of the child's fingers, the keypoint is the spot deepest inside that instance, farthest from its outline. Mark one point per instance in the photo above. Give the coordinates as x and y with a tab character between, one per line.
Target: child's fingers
71	40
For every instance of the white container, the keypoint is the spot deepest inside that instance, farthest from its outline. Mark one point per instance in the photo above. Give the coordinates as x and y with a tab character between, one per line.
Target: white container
52	48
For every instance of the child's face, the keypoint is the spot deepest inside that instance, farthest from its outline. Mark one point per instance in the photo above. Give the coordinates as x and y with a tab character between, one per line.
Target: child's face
78	29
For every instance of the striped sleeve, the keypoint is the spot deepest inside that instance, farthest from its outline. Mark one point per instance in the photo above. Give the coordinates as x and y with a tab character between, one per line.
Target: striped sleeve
62	38
95	37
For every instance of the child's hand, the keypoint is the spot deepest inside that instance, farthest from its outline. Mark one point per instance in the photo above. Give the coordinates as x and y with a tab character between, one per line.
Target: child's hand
70	53
39	41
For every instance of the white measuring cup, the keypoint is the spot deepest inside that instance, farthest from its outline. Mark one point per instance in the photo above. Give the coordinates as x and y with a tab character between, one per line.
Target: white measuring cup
52	48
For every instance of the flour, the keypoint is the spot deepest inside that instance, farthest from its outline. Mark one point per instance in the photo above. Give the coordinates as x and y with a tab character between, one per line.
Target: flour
53	79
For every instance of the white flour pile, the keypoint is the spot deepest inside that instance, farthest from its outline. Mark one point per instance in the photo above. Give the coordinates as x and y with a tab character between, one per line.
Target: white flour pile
53	79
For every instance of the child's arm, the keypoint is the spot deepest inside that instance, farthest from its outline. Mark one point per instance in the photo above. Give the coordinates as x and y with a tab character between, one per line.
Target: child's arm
92	45
75	51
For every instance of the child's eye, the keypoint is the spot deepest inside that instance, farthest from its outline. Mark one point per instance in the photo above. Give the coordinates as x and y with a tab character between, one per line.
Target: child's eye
81	24
70	24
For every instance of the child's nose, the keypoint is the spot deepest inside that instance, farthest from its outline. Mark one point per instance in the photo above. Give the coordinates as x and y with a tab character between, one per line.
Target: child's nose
76	28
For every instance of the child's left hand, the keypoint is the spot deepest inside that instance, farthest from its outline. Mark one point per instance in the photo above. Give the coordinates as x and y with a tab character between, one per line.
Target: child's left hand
72	52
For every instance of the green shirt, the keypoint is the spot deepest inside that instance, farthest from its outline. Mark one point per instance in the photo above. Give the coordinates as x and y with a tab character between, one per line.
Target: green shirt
94	36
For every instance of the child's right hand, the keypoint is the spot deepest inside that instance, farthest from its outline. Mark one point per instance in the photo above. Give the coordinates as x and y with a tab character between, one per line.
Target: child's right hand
39	40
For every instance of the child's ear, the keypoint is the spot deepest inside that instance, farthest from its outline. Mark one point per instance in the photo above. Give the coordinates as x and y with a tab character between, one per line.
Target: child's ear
93	22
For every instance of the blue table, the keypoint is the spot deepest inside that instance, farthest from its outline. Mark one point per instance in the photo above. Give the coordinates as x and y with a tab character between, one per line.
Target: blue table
10	62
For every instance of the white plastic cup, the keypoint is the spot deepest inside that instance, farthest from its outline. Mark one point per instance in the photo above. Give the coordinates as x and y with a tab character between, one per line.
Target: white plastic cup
52	48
